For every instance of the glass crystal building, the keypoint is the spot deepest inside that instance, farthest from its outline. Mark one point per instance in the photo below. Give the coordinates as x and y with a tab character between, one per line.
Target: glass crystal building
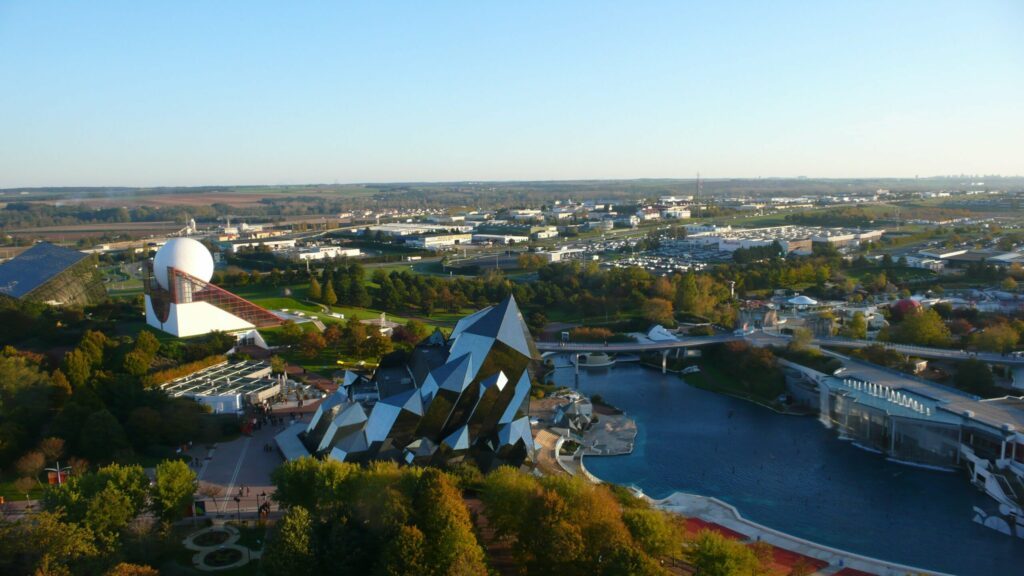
464	396
53	275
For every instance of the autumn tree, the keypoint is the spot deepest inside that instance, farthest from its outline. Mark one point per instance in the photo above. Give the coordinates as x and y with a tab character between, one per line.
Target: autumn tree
658	311
314	293
330	298
311	343
126	569
405	554
290	550
1000	338
443	519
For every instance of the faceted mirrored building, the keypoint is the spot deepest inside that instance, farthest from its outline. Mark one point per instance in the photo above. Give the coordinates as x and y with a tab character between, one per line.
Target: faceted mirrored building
464	396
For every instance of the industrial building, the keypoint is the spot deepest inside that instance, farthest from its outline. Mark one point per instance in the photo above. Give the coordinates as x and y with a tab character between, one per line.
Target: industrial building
793	239
272	245
322	252
439	241
52	275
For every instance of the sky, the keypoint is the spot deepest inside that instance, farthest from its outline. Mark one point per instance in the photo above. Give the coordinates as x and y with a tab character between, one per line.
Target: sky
183	92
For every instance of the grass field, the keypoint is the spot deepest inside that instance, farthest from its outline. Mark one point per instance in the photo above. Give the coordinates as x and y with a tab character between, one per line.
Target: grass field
711	378
894	274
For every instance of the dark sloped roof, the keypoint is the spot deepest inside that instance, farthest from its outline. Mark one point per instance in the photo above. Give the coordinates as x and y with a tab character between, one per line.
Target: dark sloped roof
34	267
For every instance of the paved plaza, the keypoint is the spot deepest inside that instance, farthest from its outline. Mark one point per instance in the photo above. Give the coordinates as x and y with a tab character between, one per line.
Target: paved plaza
241	468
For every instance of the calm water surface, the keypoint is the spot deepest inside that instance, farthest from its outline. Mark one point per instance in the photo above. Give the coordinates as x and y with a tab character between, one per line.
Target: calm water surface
792	474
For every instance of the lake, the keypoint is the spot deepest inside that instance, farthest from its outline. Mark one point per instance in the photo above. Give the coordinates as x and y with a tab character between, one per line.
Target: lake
792	474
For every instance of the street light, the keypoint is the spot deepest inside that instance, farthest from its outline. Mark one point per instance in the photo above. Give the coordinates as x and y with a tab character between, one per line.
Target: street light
238	508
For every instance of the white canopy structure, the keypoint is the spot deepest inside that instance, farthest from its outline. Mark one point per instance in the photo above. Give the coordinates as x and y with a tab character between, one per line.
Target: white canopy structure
803	301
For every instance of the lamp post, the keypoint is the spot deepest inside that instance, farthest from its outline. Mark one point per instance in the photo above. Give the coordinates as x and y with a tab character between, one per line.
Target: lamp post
238	508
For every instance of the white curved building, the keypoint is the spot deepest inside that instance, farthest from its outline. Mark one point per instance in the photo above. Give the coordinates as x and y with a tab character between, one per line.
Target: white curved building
181	300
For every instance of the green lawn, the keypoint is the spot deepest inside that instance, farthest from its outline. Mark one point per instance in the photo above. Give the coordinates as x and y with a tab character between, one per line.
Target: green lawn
11	494
713	379
894	273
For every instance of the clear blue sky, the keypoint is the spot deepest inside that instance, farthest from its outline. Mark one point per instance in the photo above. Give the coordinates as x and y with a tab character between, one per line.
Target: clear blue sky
231	92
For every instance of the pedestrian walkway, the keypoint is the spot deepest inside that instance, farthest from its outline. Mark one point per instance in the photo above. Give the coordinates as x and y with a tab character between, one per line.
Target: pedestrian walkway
722	514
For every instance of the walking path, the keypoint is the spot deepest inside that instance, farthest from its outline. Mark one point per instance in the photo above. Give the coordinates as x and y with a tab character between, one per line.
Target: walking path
723	514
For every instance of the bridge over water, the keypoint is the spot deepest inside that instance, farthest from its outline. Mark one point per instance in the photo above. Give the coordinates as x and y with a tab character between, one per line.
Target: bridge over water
763	338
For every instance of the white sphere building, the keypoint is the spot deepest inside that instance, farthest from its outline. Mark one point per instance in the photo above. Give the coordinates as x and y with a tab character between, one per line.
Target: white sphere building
181	300
186	255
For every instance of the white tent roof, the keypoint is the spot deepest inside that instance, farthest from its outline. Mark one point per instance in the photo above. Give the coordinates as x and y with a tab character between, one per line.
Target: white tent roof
802	301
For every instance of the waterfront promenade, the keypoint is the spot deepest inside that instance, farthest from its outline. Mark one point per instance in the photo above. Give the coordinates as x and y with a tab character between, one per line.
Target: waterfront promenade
723	514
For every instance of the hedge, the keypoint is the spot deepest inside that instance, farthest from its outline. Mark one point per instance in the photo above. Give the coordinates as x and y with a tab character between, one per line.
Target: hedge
158	378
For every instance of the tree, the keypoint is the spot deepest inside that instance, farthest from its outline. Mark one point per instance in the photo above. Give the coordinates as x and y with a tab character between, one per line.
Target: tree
102	436
290	332
137	363
78	368
290	551
1000	338
61	387
444	521
358	293
314	293
332	335
921	327
802	339
686	293
144	426
405	554
857	327
107	513
536	321
277	364
172	492
125	569
52	448
375	346
311	344
659	311
974	376
329	298
31	464
312	484
1009	284
712	554
49	544
652	530
147	343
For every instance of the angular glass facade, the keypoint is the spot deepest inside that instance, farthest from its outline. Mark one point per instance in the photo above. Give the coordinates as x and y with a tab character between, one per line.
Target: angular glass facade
470	401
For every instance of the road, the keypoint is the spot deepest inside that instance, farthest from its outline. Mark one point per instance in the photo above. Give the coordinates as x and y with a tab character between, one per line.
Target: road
924	351
763	338
634	346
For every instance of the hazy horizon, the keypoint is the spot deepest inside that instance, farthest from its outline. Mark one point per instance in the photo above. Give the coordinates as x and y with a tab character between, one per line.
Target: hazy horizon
120	94
517	181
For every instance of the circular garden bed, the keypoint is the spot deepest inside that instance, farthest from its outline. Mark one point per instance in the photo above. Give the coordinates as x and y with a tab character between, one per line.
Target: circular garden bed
222	557
212	538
